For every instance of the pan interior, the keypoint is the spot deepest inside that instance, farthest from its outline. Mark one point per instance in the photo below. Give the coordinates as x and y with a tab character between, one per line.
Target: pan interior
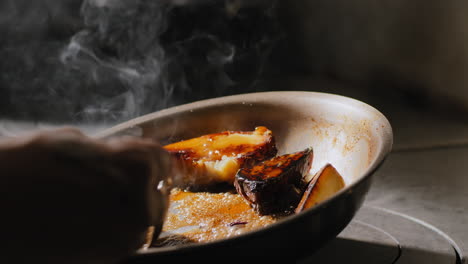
350	135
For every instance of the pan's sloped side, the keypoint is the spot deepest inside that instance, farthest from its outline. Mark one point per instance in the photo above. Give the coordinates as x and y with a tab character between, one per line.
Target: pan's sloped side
349	134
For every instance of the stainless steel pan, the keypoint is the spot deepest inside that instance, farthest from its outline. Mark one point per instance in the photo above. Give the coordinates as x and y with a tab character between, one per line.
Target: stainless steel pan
349	134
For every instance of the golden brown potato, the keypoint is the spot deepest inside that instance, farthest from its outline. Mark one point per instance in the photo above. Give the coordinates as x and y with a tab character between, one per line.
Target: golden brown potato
215	158
323	185
203	217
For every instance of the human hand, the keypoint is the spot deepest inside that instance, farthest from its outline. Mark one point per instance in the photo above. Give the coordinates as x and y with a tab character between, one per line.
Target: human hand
68	198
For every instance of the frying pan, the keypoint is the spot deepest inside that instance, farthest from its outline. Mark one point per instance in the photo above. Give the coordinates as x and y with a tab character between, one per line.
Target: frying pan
351	135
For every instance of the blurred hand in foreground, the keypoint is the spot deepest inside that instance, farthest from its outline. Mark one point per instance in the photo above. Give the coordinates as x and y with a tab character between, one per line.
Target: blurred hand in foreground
68	198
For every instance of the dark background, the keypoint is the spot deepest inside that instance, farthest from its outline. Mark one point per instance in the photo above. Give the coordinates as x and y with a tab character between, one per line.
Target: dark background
133	57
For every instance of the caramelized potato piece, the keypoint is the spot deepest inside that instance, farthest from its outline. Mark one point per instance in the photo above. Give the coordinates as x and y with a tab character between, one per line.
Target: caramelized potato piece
323	185
275	186
215	158
204	217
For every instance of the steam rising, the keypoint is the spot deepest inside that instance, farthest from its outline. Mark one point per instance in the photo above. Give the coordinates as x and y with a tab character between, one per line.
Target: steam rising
112	60
120	47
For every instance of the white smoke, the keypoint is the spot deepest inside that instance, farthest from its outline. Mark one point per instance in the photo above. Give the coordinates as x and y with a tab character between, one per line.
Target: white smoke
106	61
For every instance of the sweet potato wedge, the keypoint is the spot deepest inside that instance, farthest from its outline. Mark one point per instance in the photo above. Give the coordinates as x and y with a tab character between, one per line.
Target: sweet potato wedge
275	186
215	158
323	185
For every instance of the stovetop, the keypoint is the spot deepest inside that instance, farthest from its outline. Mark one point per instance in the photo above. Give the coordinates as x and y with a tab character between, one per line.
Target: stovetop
380	235
417	208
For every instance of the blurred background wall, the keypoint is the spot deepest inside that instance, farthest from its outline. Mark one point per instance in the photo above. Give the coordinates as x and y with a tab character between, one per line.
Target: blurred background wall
95	60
